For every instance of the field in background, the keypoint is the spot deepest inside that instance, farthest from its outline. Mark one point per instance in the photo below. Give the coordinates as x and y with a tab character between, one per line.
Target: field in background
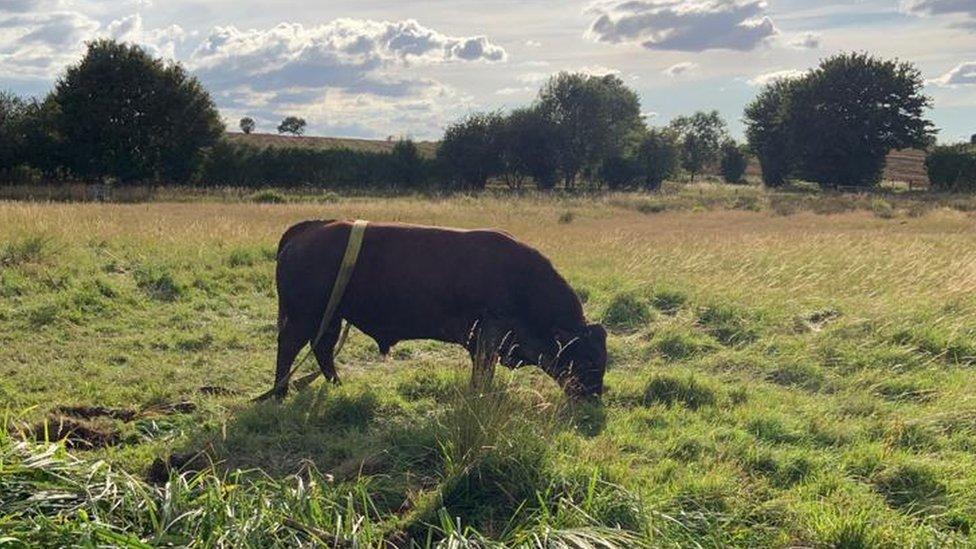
426	148
785	369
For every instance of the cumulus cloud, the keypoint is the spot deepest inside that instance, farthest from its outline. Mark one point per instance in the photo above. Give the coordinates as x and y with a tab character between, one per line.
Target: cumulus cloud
965	8
292	68
680	68
770	77
37	45
159	42
963	74
806	41
682	25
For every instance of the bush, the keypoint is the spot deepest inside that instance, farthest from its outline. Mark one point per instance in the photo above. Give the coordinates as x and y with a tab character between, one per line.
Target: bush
657	158
268	197
952	168
243	165
733	163
618	172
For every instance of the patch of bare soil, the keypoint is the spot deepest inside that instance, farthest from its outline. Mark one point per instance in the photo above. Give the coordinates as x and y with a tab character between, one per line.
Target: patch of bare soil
76	434
187	462
92	412
214	390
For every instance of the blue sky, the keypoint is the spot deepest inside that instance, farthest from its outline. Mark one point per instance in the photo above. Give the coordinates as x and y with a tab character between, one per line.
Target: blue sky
369	68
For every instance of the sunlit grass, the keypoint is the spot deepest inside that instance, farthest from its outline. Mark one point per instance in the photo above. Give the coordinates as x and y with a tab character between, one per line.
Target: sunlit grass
776	379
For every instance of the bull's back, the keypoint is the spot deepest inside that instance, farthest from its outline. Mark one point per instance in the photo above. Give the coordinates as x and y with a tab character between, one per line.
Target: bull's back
409	281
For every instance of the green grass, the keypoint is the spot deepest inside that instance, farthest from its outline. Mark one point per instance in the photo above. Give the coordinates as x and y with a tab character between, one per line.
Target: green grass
774	380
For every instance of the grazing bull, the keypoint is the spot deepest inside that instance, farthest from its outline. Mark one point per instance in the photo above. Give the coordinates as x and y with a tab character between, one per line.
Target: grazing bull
417	282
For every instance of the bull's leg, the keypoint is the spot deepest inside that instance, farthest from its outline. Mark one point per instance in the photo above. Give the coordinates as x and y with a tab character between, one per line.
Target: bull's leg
325	351
292	336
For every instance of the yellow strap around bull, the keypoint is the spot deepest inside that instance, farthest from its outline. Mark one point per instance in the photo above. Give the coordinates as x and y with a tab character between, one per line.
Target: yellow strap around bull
353	246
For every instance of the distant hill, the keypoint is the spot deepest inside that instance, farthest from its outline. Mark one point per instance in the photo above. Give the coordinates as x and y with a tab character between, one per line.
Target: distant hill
426	148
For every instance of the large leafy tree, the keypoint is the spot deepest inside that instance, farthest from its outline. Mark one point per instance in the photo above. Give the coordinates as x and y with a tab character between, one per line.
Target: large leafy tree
470	151
700	137
27	133
124	114
595	118
657	157
768	132
529	148
848	113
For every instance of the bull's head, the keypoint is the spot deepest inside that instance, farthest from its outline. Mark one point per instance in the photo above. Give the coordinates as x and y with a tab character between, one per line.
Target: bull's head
576	359
580	361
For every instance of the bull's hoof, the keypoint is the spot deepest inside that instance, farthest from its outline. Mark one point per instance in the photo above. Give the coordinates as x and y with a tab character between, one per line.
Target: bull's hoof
274	392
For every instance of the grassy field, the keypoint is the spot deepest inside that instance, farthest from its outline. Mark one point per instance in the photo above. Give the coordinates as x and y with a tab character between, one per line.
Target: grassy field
785	370
426	148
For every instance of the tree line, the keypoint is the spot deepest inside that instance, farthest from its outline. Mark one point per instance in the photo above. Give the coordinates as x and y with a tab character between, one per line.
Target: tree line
122	115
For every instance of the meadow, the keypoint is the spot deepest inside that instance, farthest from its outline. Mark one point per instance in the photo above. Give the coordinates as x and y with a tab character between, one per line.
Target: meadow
786	369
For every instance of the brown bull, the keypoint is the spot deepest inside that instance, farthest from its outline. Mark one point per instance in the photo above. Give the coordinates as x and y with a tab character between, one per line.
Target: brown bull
418	282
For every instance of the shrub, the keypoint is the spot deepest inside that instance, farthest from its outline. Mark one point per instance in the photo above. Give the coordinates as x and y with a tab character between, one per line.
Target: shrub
952	168
733	162
268	197
618	172
657	158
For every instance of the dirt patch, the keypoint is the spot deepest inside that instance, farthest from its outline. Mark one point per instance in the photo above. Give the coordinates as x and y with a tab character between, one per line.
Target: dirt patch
187	462
76	434
182	407
214	390
92	412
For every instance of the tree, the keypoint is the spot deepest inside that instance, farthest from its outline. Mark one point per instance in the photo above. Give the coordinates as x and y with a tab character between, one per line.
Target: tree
293	125
699	136
972	139
619	172
733	163
12	113
470	151
528	148
768	132
657	157
408	165
122	113
247	125
594	117
847	114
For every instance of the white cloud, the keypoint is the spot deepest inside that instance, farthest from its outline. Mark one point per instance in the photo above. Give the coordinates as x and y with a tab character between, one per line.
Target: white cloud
515	91
964	8
38	45
682	25
963	74
160	42
533	43
806	41
770	77
308	70
679	69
